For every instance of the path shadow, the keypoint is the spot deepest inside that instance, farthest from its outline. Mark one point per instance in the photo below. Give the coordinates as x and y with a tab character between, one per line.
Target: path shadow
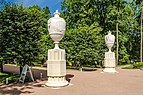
15	89
19	88
88	69
69	76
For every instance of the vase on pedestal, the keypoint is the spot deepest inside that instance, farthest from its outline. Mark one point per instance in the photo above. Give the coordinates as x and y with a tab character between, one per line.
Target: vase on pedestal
109	60
56	63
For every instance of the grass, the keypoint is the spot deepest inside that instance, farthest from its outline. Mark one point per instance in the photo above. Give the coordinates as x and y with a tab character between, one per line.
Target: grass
128	66
137	65
11	77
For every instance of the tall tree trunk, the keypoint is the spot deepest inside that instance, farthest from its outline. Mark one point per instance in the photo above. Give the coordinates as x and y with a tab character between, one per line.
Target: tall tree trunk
141	37
117	41
131	50
1	67
21	67
117	49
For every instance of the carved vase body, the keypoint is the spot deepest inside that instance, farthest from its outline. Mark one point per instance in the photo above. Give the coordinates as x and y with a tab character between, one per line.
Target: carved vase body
109	40
56	27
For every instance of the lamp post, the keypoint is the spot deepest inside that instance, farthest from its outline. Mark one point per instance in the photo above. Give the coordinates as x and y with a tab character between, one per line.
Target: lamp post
56	63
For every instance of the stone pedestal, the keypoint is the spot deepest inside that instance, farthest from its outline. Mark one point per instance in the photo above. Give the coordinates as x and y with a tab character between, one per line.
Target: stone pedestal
56	68
109	62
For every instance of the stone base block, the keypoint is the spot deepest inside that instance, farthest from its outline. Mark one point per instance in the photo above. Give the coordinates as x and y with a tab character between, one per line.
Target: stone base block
56	68
56	64
56	54
109	60
56	81
110	70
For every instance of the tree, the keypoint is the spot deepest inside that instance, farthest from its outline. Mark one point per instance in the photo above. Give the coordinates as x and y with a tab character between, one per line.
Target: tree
137	6
78	13
21	32
104	12
84	46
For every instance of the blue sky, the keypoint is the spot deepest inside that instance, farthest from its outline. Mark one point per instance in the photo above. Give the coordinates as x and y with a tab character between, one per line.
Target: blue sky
52	4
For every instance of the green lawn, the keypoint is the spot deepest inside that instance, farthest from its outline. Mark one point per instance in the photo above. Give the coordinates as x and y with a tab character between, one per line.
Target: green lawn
11	77
137	65
127	66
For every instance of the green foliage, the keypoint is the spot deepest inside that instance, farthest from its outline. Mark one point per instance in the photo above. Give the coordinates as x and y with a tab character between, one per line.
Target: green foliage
78	13
127	66
84	45
138	65
23	34
11	77
107	13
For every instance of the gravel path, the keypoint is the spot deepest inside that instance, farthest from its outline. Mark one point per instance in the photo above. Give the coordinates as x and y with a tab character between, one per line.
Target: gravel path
126	82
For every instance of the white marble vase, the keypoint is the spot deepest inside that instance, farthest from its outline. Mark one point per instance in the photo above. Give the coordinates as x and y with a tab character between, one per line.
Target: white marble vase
56	63
56	28
109	40
109	60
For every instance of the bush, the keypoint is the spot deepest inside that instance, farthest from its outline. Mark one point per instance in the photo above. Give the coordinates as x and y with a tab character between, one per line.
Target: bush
138	65
11	77
84	46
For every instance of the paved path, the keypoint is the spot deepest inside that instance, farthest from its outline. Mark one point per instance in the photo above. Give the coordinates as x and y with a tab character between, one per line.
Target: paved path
126	82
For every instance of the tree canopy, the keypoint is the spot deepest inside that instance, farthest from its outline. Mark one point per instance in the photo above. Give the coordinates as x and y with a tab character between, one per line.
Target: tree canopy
107	13
24	36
